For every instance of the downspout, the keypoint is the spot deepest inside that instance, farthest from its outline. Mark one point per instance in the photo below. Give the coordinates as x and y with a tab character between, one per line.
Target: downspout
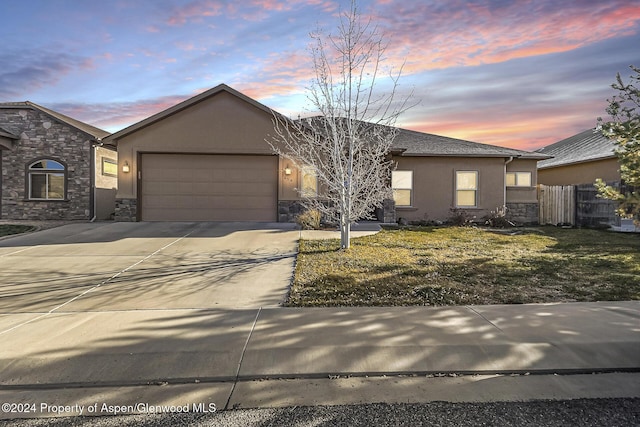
94	204
504	180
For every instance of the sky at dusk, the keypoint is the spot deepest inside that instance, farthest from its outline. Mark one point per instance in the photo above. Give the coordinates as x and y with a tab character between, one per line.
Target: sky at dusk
519	74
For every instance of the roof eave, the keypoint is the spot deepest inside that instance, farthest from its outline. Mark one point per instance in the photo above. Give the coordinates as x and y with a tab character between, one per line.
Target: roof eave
475	155
578	162
94	132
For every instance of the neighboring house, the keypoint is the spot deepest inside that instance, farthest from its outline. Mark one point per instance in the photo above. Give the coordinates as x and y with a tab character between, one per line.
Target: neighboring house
579	159
207	159
576	164
53	167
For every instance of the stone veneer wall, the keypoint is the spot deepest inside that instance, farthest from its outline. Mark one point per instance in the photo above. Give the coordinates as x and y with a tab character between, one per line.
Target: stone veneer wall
42	136
523	213
126	210
288	210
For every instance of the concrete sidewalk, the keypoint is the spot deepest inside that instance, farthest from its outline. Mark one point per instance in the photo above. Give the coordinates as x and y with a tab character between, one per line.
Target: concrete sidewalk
318	342
330	356
363	228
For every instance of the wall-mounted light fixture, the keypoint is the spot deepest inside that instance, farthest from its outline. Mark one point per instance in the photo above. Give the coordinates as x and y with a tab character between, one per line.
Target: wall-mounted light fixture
125	167
287	170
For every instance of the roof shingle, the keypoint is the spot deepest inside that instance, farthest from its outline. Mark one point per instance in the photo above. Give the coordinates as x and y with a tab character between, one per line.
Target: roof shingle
584	147
415	143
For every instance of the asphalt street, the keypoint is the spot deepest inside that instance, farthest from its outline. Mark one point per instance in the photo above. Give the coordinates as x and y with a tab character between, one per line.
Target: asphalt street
582	412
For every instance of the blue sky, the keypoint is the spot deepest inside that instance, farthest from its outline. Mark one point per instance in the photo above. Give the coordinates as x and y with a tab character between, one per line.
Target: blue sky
513	73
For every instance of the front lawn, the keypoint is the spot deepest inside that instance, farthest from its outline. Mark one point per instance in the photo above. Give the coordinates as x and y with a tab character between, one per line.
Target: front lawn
456	266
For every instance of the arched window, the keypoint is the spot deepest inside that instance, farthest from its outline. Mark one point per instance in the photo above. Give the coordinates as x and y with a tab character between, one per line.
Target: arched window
46	179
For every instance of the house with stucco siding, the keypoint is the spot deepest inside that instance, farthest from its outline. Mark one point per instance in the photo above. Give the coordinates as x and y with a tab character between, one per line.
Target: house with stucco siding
53	167
207	159
579	159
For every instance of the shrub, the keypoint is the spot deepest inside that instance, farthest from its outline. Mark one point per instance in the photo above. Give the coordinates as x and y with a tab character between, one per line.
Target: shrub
498	218
460	218
309	219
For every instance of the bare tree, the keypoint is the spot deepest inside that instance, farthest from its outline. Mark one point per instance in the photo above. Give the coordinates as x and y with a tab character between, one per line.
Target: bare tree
349	143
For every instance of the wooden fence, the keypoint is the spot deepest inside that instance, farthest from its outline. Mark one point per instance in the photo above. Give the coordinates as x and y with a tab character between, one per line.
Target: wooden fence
575	205
557	204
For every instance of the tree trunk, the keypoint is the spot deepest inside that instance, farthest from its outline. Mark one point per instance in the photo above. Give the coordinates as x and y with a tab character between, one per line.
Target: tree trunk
345	233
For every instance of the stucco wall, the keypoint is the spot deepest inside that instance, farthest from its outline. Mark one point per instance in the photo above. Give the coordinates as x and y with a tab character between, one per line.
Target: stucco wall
434	186
104	180
42	136
220	124
523	194
581	173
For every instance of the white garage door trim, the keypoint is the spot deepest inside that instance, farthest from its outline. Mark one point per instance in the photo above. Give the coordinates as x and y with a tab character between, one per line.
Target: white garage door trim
208	187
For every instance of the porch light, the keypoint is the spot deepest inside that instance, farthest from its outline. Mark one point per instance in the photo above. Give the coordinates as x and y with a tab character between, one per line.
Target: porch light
125	167
287	170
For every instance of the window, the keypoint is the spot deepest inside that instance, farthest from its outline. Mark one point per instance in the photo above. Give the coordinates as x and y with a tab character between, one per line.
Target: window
109	167
309	184
518	179
466	188
46	180
402	186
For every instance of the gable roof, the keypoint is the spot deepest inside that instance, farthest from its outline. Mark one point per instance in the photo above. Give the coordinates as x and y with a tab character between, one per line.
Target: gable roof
586	146
90	130
186	104
414	143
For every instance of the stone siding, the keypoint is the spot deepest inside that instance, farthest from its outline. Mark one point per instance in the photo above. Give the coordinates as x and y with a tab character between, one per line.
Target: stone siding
388	211
126	210
288	210
523	213
42	136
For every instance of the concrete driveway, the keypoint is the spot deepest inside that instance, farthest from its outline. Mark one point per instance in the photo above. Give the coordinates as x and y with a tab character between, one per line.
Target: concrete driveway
123	304
134	266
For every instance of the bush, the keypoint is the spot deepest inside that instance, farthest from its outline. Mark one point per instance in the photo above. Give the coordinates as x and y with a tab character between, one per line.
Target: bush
460	218
309	219
498	218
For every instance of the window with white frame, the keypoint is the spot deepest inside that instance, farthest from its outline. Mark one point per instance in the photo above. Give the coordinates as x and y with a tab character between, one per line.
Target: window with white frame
518	179
46	179
466	189
402	186
309	182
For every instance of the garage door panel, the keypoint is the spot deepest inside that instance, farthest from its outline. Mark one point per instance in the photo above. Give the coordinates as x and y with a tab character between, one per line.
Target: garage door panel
183	187
160	187
202	175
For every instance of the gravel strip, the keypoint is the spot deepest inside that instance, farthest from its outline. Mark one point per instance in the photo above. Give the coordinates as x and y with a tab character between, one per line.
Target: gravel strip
39	225
580	412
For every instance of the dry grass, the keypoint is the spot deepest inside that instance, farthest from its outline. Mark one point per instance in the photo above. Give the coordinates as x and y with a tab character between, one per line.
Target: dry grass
456	266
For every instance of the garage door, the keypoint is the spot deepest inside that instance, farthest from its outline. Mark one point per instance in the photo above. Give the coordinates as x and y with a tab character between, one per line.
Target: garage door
199	187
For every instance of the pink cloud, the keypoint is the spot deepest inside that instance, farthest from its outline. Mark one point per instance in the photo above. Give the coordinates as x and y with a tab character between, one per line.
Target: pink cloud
184	46
272	5
466	36
526	130
195	11
114	116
